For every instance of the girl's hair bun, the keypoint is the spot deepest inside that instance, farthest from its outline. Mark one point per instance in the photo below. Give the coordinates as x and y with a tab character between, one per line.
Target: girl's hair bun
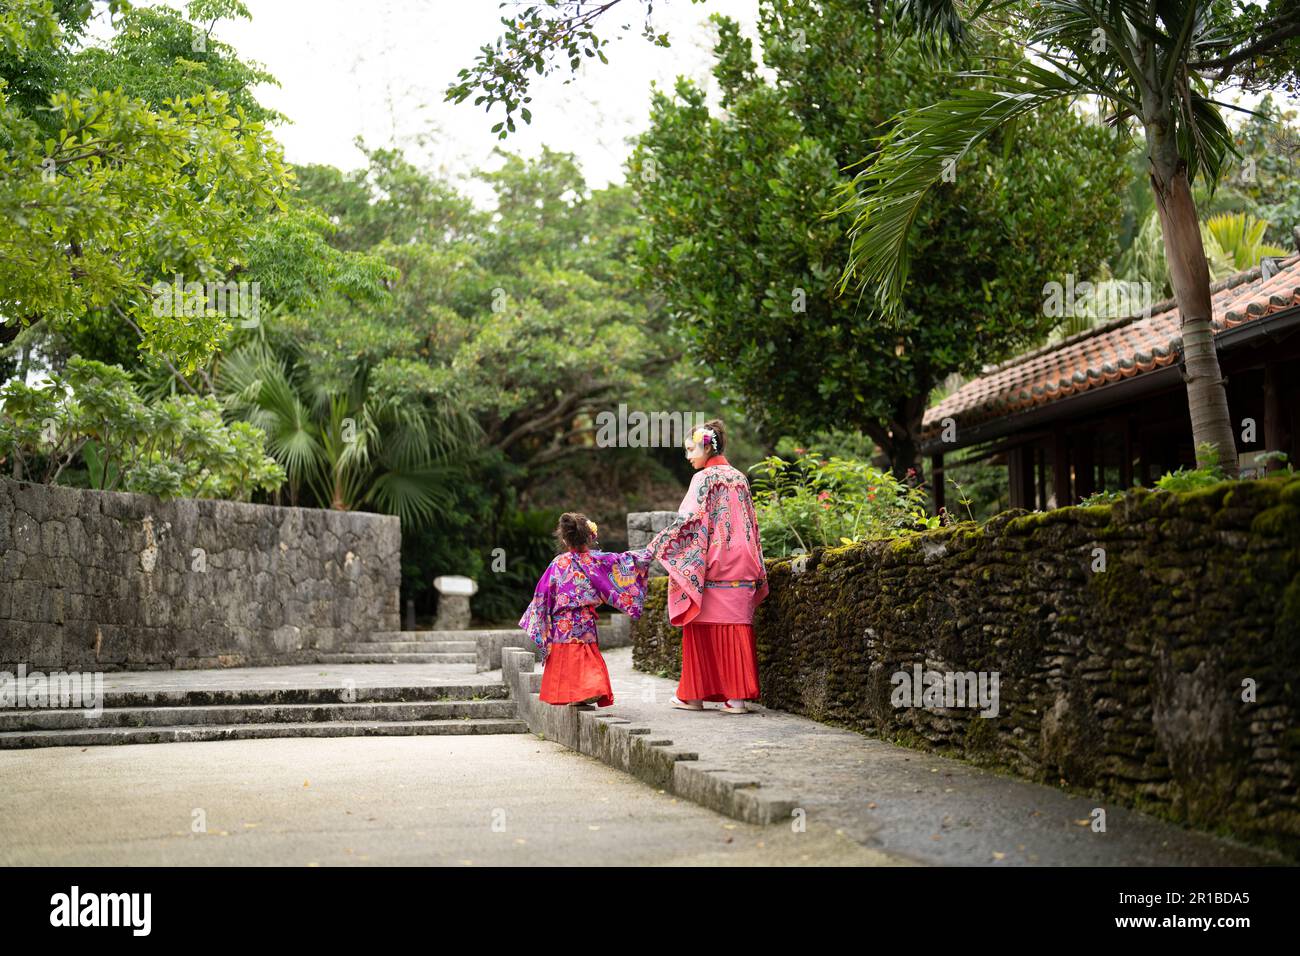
574	530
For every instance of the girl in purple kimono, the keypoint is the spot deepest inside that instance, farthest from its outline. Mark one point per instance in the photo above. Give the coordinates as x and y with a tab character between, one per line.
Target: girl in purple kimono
561	619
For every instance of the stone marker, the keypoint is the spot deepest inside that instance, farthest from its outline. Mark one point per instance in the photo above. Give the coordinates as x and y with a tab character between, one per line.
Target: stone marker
454	592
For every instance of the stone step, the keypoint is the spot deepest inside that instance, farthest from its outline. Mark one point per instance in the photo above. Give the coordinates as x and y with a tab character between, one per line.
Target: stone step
346	693
370	657
437	637
410	647
205	732
137	717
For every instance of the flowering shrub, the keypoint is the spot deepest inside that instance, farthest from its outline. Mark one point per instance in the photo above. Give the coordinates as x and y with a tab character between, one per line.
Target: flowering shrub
814	502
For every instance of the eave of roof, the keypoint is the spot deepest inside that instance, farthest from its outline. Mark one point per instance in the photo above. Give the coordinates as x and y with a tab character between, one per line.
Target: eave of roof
1127	348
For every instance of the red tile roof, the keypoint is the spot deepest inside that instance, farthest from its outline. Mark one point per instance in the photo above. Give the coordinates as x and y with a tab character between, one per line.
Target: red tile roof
1117	350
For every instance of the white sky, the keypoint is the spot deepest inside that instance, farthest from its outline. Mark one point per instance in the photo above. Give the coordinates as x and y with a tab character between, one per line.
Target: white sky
378	68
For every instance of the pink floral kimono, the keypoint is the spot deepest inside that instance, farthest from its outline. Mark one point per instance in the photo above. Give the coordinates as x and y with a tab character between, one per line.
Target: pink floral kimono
561	619
714	561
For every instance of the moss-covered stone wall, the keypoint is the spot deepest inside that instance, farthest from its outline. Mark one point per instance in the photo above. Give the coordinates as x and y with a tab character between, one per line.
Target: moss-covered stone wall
1124	638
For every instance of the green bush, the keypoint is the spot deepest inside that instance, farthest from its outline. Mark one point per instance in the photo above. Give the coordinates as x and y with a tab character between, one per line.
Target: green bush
1189	479
814	502
177	447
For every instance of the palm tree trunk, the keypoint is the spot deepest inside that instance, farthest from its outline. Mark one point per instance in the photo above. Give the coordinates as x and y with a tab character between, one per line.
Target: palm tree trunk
1189	273
337	501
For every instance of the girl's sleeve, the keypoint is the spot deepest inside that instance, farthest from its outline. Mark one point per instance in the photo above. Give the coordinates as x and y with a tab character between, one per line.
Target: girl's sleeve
622	578
536	621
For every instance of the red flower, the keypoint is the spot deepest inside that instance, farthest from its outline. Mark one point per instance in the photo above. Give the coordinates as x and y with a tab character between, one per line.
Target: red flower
823	496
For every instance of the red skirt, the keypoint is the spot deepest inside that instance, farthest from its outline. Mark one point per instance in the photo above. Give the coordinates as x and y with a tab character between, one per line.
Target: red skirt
719	662
575	672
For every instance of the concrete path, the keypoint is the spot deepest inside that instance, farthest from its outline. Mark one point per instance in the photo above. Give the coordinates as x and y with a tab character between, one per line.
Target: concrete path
504	800
928	809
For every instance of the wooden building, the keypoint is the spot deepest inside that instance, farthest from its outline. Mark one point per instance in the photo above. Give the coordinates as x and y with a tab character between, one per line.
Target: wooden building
1107	409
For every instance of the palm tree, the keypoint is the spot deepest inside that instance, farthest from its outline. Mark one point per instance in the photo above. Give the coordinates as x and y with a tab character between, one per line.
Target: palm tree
389	439
1152	61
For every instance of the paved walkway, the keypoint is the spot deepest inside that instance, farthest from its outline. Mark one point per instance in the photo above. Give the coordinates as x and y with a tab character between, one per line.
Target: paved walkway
355	801
910	804
891	803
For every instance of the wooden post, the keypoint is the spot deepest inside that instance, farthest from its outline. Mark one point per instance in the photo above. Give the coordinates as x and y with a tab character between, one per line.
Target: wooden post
1085	465
1274	425
1126	462
1020	470
936	475
1061	485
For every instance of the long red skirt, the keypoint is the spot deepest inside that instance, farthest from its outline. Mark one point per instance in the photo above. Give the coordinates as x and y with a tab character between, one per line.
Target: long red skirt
719	662
575	672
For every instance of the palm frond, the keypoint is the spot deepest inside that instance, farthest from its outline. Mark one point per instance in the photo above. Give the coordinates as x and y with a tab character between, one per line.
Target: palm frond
416	497
886	195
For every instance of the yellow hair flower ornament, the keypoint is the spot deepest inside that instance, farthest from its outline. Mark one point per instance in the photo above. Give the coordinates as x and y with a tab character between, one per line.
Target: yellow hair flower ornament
592	526
704	437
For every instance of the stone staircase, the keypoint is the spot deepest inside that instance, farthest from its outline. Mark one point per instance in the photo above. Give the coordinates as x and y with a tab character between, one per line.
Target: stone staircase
412	647
140	717
177	707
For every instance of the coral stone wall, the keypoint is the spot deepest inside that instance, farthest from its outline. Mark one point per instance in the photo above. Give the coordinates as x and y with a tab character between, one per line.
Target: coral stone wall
1128	641
108	580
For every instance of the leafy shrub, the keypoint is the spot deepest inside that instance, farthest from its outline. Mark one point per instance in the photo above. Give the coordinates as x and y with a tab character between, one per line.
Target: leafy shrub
814	502
177	447
1189	479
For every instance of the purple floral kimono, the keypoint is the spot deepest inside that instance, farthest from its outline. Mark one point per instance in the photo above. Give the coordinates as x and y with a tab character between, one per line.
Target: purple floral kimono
574	585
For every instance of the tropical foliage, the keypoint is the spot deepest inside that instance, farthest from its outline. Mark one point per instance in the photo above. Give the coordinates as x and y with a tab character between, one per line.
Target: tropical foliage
179	446
737	242
810	502
1151	62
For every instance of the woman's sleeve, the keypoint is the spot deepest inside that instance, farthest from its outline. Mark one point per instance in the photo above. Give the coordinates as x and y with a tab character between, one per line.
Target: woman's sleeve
536	621
682	548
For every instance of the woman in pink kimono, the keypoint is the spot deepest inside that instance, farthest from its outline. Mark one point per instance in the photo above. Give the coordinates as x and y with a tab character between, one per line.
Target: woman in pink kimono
716	578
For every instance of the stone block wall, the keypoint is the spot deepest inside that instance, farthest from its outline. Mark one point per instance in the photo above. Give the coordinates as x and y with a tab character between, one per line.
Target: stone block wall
644	525
1128	641
124	581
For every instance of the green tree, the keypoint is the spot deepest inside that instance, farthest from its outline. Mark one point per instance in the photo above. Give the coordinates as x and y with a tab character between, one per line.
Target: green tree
132	162
102	193
737	243
1150	61
173	447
